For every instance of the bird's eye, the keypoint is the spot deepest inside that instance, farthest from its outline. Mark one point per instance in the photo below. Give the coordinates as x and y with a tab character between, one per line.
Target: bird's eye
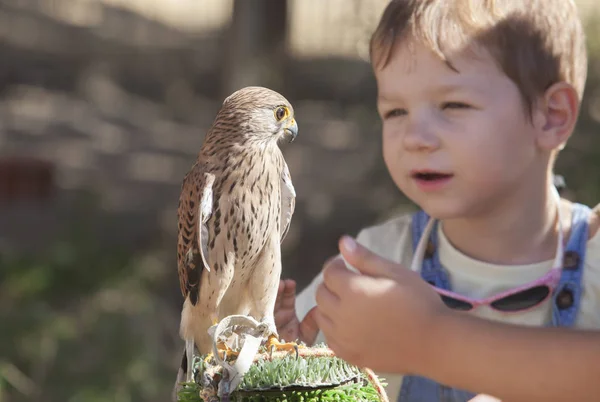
281	113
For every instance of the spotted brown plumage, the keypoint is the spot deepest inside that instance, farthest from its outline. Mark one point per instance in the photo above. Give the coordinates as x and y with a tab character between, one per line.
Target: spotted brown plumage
234	210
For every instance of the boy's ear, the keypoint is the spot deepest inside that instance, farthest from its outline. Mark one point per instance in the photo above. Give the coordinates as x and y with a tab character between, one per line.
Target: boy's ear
557	111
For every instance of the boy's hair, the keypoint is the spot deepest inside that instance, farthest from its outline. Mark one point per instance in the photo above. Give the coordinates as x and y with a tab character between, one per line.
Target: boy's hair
537	43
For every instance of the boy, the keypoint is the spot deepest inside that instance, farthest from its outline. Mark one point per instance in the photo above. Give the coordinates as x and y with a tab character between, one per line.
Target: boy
476	99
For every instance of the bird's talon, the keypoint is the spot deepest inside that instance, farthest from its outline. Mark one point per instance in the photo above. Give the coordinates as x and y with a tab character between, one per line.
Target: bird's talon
271	350
274	344
225	351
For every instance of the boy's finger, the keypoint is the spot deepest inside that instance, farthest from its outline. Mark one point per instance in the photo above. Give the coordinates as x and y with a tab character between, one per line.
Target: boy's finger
288	299
323	321
309	328
327	301
365	261
336	276
279	297
286	294
284	316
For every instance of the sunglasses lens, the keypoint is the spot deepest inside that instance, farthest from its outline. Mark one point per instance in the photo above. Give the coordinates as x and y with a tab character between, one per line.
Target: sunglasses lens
522	300
456	304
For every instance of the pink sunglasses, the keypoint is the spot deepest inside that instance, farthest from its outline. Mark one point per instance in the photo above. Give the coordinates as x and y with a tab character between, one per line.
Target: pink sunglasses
518	299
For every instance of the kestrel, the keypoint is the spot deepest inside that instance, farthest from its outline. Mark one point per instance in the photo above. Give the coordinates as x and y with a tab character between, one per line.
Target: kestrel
234	211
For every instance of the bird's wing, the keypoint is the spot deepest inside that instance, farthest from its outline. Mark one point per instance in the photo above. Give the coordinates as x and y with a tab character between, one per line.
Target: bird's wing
195	208
288	200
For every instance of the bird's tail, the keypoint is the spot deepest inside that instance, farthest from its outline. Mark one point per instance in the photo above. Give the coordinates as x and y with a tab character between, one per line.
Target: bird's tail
181	376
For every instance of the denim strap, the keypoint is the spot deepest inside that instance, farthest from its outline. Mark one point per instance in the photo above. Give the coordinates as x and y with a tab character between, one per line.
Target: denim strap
432	270
567	296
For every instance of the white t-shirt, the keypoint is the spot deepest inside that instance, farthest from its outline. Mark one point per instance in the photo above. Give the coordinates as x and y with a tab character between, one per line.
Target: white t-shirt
393	240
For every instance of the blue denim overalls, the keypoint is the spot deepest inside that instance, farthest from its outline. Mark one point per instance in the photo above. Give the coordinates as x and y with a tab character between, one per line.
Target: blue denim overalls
565	300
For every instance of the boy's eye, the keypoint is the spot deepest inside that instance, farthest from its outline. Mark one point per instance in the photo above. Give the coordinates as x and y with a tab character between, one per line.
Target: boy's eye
455	105
394	113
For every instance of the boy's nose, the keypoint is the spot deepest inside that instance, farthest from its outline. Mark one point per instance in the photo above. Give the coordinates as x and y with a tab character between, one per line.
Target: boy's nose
420	136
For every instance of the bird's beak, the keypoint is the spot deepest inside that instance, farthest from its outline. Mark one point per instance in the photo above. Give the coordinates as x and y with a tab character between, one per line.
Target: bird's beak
292	130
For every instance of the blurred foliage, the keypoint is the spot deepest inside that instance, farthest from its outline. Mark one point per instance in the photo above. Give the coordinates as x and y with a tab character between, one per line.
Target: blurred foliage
75	322
579	162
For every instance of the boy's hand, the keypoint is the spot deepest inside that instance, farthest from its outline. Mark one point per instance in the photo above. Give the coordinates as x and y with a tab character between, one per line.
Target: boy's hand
383	318
286	319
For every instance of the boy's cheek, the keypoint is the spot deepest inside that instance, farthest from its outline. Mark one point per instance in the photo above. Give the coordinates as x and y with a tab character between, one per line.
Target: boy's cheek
393	164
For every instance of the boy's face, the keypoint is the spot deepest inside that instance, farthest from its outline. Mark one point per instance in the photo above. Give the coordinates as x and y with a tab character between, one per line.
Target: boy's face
456	143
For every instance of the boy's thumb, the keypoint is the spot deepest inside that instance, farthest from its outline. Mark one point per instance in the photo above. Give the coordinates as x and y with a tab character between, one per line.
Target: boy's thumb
365	261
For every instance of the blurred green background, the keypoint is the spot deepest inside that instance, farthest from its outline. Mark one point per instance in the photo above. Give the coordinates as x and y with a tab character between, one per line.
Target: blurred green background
103	107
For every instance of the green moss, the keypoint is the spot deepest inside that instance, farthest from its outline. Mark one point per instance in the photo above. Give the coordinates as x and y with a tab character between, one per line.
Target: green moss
356	391
291	379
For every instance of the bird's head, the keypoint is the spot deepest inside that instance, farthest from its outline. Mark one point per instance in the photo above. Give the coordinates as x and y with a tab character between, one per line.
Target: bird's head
258	114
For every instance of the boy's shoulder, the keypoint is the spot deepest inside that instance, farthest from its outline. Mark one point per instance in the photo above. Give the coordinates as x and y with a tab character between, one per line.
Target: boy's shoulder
593	245
395	222
403	217
390	234
594	219
594	224
395	228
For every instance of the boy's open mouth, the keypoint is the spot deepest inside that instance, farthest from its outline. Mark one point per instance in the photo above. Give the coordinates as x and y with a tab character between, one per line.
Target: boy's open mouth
431	176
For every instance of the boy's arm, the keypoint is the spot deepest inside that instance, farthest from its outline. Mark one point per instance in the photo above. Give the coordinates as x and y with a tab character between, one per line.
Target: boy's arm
514	363
420	335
